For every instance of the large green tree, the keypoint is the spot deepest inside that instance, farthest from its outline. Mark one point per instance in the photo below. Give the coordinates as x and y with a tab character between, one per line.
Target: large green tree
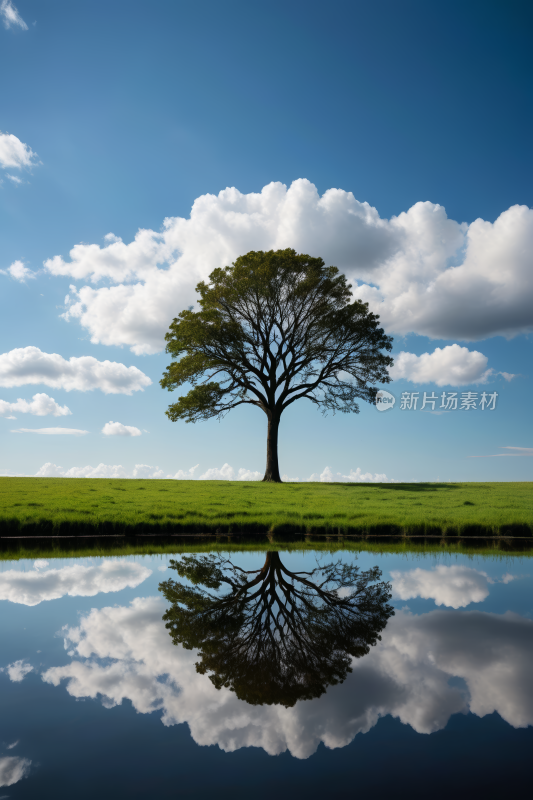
274	328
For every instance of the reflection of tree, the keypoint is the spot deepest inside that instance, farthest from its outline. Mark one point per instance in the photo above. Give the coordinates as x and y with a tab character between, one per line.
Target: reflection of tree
275	636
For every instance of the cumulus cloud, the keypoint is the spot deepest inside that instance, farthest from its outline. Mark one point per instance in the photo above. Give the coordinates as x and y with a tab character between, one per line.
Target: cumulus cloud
25	365
455	586
10	16
447	366
32	587
18	670
126	653
354	476
118	429
14	154
185	475
40	406
13	769
224	473
227	473
423	272
53	431
18	270
50	470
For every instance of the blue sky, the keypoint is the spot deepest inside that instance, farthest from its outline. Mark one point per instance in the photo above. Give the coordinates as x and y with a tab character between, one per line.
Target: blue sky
391	139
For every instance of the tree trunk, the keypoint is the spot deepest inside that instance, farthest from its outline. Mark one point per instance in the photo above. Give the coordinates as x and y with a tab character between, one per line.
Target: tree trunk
272	468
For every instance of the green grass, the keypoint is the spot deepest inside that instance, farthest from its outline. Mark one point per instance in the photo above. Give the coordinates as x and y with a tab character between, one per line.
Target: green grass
81	506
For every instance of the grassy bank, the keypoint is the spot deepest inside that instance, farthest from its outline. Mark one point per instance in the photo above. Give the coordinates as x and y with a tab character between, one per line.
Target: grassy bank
499	548
80	506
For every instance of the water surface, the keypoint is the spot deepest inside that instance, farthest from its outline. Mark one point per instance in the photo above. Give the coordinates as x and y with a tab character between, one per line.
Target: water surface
416	690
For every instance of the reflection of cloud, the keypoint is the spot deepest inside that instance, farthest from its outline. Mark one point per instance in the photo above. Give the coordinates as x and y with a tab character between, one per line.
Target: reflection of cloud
454	586
13	769
31	588
407	675
17	671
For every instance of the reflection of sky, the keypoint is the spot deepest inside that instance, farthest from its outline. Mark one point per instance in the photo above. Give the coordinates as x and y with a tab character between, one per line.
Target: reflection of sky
13	768
31	587
432	663
406	675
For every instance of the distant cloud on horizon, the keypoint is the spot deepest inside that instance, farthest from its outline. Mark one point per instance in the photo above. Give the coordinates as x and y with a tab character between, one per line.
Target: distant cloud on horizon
224	473
52	431
523	451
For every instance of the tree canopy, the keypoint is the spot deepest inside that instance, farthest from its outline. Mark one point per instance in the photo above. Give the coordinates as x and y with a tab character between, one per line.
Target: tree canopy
274	328
275	636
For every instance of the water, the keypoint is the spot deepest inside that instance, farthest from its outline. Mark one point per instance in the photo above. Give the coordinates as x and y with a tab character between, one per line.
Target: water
97	699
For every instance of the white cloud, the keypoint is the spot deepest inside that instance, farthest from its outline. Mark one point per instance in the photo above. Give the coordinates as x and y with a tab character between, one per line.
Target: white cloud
185	475
455	586
53	431
421	271
14	153
357	476
456	281
35	586
18	270
12	745
227	473
126	653
521	451
25	365
50	470
41	563
249	475
13	769
146	471
18	670
118	429
40	406
447	366
224	473
17	182
11	16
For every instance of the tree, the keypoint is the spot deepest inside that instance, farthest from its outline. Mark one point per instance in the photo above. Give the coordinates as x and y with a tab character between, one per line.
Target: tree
274	328
275	636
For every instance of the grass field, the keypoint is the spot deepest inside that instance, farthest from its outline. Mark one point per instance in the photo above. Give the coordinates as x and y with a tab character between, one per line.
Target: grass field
81	506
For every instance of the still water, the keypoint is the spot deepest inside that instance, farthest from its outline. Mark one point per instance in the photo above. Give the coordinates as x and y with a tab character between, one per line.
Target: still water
253	673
